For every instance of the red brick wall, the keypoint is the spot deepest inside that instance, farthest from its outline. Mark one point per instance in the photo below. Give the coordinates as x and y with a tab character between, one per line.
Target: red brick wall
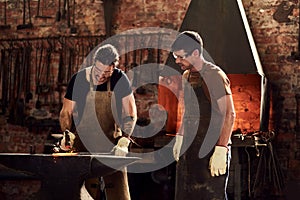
149	13
246	96
19	139
275	42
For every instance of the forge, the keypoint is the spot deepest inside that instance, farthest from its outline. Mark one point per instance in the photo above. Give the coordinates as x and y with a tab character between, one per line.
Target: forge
229	43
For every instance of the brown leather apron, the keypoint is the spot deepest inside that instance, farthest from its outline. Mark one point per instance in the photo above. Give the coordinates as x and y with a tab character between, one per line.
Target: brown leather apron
98	118
193	179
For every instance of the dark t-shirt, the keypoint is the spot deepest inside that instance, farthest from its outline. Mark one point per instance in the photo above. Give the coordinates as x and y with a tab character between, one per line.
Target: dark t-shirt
213	83
79	86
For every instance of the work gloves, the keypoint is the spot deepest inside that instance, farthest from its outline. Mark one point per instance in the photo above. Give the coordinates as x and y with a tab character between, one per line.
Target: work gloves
218	161
177	146
67	141
121	149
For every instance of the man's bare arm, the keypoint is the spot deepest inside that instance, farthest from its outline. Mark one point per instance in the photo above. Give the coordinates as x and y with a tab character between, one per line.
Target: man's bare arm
65	117
226	106
130	113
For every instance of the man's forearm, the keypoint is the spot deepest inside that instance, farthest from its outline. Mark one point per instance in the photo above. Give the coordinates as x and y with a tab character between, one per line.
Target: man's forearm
130	114
65	121
129	124
226	130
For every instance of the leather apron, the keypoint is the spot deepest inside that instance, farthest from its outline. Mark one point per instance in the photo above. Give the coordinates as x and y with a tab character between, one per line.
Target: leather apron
97	115
193	179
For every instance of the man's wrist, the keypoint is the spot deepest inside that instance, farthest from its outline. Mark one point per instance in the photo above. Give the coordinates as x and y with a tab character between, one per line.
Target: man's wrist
225	146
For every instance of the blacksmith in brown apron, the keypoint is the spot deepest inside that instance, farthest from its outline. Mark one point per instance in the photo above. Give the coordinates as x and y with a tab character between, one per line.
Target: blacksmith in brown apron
101	94
207	124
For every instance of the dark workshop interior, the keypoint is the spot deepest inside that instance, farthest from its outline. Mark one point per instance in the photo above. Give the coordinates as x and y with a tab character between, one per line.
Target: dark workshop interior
256	42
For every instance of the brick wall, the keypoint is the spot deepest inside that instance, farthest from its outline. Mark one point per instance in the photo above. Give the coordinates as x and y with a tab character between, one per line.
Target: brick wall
276	37
19	139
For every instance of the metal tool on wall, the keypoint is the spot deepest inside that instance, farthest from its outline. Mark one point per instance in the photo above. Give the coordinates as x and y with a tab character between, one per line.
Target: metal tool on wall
296	54
73	29
39	69
134	63
18	65
70	63
68	13
4	66
58	13
126	65
109	8
38	11
28	92
17	106
45	79
61	71
10	59
269	175
5	26
64	10
24	25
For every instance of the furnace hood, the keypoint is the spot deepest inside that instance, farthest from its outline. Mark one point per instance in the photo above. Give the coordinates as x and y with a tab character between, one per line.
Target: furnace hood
226	34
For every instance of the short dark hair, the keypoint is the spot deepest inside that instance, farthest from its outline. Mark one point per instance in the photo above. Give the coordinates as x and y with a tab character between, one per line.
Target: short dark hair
188	41
107	55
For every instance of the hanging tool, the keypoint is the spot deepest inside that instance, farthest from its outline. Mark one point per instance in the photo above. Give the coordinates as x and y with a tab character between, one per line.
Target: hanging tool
5	26
73	29
70	63
4	77
19	109
24	25
28	73
68	13
47	85
61	71
269	173
39	71
38	11
58	13
134	64
77	56
64	11
158	48
60	77
296	54
109	8
10	71
126	54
